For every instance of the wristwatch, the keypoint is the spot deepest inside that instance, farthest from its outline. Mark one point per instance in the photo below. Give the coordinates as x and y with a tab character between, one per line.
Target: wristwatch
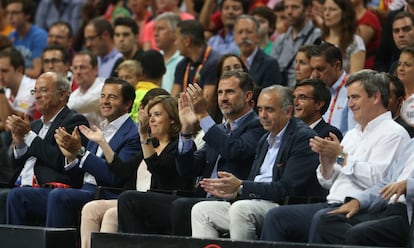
81	152
341	158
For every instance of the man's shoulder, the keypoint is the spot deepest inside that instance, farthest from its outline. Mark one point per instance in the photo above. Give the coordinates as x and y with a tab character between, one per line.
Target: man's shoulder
299	128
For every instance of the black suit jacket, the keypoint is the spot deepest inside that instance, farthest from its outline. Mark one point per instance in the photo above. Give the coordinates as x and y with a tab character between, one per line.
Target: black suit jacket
50	161
294	171
265	70
323	129
237	151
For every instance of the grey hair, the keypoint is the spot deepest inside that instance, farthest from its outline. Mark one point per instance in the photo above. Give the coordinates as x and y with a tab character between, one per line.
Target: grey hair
172	19
285	94
373	82
249	17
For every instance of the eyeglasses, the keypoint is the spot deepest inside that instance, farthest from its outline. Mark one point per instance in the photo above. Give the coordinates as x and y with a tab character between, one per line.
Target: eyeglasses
52	61
42	91
91	38
302	98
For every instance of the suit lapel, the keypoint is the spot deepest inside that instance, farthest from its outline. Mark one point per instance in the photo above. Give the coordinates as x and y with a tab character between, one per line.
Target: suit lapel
281	156
119	135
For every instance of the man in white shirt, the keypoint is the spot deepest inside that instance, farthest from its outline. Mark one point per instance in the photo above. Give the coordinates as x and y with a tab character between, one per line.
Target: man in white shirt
85	99
355	164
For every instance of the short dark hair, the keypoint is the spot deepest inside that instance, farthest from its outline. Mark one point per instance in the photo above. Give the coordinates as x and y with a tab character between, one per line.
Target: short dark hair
28	7
194	30
127	91
402	15
15	57
153	65
320	92
307	49
373	82
101	25
93	58
245	81
151	94
62	23
128	22
267	14
330	52
63	51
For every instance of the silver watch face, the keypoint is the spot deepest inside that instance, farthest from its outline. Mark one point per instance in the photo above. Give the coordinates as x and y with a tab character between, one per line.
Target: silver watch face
81	151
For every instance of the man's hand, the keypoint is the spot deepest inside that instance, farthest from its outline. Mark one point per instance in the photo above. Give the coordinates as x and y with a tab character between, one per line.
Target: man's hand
69	144
198	100
328	148
350	209
224	187
19	127
186	114
398	188
94	133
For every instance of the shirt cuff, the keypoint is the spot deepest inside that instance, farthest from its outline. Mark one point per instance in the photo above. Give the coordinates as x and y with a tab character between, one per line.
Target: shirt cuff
206	123
348	169
184	145
29	137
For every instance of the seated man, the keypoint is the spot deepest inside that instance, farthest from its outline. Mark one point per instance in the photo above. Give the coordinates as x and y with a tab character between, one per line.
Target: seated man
61	206
311	99
378	216
284	166
355	164
37	161
229	147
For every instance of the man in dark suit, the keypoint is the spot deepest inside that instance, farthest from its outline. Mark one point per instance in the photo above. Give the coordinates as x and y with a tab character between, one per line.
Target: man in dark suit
263	69
311	98
229	147
38	164
284	166
62	205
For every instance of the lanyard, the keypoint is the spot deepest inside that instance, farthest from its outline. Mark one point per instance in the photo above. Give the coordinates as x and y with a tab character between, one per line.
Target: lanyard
332	108
197	73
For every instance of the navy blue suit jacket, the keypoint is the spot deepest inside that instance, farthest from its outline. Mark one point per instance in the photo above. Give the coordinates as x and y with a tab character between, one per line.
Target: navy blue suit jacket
50	161
237	151
323	129
265	70
294	171
125	143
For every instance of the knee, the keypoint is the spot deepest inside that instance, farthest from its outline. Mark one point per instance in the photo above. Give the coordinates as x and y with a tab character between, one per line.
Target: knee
57	195
240	209
199	210
91	211
111	215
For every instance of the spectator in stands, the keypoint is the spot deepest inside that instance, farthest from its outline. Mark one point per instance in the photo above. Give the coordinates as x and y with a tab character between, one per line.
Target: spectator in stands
153	69
223	42
130	71
4	42
199	63
125	36
38	164
161	7
141	15
397	94
28	38
303	69
340	28
60	33
233	153
301	32
55	58
379	216
15	86
403	35
286	145
263	69
49	12
61	206
267	20
357	163
164	34
405	72
281	25
5	27
389	51
158	120
85	99
99	39
369	28
326	63
311	99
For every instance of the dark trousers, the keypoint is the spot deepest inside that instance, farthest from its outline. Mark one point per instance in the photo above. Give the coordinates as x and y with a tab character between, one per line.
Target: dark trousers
3	204
387	227
155	213
57	207
293	223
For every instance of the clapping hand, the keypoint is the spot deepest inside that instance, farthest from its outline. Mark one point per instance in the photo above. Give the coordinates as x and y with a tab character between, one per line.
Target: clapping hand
69	144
